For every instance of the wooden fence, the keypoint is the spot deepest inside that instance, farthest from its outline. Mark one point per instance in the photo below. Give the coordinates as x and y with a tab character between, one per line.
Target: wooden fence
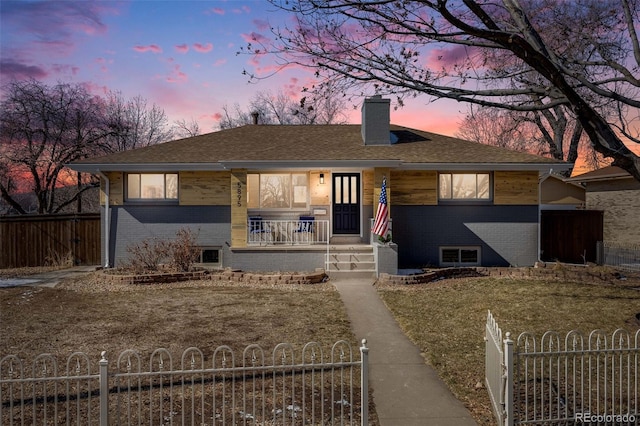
571	235
38	240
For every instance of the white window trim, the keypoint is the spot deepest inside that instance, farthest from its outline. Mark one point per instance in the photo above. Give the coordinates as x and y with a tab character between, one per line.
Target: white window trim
210	264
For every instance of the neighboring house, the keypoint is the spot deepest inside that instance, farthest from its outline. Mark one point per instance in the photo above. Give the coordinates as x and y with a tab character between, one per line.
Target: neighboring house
616	193
267	198
560	193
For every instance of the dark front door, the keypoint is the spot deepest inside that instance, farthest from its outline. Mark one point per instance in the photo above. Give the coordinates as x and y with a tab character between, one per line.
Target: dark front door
346	203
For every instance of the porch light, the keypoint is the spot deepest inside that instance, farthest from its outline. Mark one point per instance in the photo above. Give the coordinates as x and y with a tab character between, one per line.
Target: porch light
322	178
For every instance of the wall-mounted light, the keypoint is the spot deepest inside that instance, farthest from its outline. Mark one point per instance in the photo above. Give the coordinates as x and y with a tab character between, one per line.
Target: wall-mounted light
322	178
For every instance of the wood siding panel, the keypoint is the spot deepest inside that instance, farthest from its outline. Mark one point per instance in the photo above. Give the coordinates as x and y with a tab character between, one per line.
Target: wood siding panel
116	189
204	188
515	188
367	188
414	188
319	192
238	182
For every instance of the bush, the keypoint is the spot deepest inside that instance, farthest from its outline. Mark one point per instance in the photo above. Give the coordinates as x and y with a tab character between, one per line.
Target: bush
184	252
179	254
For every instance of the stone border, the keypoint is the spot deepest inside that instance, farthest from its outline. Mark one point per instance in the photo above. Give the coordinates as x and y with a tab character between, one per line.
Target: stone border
555	272
224	275
273	278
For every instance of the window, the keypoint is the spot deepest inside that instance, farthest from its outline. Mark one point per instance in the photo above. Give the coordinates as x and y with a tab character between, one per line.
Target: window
459	256
464	186
152	186
210	257
277	191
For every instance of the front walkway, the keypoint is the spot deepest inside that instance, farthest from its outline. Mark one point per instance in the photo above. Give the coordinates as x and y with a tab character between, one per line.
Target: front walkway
406	390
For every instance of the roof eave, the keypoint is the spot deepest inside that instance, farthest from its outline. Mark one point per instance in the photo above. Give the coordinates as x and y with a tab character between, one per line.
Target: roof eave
539	167
144	167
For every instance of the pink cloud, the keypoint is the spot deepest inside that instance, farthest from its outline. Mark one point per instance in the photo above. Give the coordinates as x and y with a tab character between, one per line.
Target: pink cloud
217	11
177	75
154	48
181	48
254	37
445	58
261	24
202	48
217	116
220	62
21	71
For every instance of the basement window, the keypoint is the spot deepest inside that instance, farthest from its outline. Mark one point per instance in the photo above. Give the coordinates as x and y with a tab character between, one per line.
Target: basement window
460	256
211	257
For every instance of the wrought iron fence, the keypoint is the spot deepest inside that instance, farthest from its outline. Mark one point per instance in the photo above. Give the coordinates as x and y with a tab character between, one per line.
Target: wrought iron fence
623	257
219	388
571	379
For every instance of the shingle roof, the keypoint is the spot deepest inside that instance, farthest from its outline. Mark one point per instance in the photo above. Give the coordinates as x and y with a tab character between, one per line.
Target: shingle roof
605	173
331	143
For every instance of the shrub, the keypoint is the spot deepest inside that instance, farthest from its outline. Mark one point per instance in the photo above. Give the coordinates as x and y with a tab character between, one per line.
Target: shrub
180	254
183	250
147	255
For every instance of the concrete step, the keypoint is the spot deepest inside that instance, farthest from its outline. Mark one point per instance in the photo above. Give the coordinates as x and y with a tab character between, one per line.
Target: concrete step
351	260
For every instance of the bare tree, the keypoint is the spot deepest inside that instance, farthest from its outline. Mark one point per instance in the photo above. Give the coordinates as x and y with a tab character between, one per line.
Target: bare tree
184	129
529	56
131	123
41	129
279	108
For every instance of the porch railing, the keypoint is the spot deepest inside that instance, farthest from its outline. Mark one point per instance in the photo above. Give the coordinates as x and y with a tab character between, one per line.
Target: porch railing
287	232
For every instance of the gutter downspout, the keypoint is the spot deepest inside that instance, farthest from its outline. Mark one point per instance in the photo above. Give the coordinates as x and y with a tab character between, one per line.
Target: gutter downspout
107	218
538	257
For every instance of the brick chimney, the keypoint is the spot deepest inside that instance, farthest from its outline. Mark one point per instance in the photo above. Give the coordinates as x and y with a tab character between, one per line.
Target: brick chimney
375	121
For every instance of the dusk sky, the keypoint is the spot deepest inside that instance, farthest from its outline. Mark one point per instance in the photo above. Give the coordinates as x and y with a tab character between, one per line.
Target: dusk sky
180	55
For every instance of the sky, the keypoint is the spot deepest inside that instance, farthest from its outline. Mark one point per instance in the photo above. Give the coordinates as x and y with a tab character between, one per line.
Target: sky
179	55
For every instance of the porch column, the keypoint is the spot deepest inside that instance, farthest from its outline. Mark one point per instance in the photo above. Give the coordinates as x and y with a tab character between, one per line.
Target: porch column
239	208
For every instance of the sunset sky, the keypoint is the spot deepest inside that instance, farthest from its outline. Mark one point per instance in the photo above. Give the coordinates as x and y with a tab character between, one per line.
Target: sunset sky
180	55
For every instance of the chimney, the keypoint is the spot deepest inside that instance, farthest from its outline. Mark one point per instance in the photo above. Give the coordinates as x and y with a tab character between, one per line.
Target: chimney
375	121
255	116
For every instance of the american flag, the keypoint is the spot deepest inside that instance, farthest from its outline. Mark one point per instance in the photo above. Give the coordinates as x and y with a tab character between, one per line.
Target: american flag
381	224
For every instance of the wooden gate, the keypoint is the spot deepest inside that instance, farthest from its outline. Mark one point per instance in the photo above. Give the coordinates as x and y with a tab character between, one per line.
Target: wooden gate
38	240
570	236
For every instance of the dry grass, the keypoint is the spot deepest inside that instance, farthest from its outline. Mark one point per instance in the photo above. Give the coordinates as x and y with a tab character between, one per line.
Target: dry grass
447	319
91	316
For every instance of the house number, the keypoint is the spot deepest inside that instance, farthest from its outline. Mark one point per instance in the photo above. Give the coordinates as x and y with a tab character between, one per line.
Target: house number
239	191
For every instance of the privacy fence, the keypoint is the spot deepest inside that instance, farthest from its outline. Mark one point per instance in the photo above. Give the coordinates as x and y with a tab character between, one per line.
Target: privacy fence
38	240
254	388
559	380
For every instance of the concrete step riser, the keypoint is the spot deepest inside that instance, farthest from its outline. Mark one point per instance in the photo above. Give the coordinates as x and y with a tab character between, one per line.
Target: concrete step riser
351	274
347	266
353	257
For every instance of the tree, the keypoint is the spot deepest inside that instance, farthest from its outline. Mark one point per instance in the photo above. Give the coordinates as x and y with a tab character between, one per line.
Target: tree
281	109
131	124
184	129
534	56
41	129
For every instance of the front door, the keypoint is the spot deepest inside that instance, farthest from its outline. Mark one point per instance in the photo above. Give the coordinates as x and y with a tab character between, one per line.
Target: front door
346	203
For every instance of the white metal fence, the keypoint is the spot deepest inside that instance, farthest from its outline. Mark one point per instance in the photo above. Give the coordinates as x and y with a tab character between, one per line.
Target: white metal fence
571	379
623	257
198	389
287	232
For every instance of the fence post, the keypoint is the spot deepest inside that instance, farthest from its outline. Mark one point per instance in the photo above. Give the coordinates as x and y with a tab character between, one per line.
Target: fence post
104	390
364	383
507	378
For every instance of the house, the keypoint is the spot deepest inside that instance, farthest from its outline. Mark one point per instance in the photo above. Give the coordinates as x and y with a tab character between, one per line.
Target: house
616	193
294	198
560	193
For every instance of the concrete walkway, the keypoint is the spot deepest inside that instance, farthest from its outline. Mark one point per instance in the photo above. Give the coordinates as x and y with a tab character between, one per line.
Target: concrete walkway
47	279
406	390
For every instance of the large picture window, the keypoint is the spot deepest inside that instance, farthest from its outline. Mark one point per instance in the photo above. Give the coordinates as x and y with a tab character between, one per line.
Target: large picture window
464	186
152	186
277	191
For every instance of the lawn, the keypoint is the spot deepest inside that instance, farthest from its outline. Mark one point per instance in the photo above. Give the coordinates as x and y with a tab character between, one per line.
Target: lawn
446	320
